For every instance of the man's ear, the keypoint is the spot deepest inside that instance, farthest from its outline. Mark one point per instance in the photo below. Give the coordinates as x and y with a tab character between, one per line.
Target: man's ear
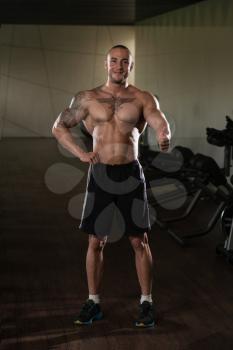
105	64
131	66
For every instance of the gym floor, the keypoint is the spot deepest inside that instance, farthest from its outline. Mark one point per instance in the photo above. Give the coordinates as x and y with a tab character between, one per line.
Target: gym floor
43	281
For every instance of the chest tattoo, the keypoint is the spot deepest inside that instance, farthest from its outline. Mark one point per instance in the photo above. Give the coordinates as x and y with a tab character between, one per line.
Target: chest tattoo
114	103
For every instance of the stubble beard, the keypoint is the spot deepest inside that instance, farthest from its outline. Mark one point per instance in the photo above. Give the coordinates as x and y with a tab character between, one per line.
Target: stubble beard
118	81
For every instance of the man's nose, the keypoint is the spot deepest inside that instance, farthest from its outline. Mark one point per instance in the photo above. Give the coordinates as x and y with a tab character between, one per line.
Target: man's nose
119	64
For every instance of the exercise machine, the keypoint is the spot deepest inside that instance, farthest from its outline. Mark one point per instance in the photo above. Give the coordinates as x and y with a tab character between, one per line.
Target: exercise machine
208	182
224	138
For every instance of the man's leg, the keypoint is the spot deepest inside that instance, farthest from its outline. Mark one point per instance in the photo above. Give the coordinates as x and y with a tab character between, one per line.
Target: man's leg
94	263
144	267
94	266
144	262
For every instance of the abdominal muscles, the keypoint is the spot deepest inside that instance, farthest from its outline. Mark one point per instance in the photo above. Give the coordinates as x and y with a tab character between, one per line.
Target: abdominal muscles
114	144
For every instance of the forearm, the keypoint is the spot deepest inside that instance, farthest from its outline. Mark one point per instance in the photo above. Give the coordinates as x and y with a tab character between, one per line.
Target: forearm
162	131
65	138
162	128
159	124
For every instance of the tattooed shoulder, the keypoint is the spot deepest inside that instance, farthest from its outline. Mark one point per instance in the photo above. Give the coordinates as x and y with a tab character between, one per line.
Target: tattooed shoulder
75	113
79	99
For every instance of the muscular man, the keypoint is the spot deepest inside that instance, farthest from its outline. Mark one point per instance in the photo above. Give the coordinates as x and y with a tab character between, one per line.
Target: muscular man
115	114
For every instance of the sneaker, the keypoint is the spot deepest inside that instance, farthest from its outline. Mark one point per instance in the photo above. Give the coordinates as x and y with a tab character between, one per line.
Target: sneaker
89	313
146	316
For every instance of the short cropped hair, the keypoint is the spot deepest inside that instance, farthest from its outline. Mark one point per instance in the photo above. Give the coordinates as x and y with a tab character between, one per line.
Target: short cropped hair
119	46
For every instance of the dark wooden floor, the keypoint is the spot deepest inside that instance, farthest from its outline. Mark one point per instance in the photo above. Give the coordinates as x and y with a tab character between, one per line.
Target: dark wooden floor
43	281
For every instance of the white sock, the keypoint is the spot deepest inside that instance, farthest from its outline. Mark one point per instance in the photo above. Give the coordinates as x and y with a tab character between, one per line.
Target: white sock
146	298
95	298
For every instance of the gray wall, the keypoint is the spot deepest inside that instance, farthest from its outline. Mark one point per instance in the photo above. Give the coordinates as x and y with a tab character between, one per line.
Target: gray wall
186	58
43	66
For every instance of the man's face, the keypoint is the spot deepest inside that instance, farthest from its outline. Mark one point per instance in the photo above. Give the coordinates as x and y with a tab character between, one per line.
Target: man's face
118	64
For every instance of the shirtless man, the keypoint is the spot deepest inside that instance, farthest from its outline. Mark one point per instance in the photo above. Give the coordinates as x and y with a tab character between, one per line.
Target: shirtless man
115	114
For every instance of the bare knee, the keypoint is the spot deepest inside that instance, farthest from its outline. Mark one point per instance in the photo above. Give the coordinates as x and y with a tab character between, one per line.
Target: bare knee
139	243
96	244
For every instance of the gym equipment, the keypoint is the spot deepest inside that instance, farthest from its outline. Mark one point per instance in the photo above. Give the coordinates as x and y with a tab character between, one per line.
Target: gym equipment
169	179
224	138
226	248
207	178
182	174
158	164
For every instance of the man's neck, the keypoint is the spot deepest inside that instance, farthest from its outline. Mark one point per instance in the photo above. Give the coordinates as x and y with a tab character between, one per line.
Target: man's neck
116	89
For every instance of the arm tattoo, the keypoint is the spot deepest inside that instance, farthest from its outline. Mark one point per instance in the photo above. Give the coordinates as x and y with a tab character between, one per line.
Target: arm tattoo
72	115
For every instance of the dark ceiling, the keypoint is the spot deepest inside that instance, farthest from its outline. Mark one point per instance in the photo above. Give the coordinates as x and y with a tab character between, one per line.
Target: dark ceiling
86	12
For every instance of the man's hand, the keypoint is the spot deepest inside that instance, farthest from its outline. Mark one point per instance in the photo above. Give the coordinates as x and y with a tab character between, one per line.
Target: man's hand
164	140
90	157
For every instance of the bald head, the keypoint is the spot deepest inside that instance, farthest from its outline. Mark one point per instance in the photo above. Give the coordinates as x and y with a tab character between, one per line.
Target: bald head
119	46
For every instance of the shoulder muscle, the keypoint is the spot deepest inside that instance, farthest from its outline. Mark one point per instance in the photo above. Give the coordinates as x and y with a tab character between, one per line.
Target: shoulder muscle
76	112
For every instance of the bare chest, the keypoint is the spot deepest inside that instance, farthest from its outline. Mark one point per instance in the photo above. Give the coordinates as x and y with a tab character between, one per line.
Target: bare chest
106	109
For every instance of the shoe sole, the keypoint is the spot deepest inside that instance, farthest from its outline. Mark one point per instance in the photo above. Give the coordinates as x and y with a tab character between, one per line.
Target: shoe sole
97	317
143	325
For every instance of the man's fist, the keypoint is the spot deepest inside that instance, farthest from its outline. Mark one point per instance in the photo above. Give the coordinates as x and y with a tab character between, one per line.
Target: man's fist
164	140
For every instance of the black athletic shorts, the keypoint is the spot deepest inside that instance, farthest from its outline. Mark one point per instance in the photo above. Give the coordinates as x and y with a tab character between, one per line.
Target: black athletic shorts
116	201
